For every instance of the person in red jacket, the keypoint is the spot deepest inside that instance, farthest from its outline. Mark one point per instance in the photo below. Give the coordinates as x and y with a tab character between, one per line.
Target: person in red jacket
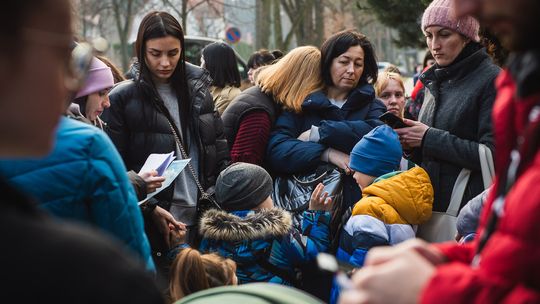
503	265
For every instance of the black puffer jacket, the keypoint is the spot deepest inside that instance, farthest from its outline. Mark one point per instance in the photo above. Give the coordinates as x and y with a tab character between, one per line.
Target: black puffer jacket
138	125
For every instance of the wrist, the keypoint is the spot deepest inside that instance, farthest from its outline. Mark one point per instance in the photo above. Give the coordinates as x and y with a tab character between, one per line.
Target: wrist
325	155
175	250
148	207
314	134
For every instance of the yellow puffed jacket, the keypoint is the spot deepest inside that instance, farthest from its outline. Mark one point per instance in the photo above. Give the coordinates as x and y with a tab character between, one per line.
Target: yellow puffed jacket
386	213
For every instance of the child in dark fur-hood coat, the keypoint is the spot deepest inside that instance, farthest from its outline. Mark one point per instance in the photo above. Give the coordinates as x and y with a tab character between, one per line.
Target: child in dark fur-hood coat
254	234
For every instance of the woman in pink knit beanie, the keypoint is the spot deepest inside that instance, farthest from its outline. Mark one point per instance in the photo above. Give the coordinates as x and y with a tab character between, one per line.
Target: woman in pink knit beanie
455	119
440	21
92	99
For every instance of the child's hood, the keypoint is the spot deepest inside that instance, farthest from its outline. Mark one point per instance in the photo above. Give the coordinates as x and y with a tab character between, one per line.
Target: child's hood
242	226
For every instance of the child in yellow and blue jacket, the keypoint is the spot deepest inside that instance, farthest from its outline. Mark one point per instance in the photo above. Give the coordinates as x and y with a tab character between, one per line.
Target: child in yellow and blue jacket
392	202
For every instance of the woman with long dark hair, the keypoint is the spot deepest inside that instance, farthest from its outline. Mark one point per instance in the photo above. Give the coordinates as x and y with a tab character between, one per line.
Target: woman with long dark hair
168	108
219	60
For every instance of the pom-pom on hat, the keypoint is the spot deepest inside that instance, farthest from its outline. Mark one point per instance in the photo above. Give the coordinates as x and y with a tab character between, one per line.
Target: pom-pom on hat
442	13
377	153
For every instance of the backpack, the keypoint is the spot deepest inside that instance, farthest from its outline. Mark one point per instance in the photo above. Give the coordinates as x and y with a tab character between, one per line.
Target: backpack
252	293
293	193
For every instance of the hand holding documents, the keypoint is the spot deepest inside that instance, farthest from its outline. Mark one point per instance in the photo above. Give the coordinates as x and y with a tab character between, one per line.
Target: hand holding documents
166	166
158	162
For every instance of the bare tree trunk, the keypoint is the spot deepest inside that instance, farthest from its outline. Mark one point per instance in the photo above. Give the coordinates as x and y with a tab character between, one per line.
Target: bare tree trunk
307	24
262	26
319	23
278	31
183	15
293	9
123	15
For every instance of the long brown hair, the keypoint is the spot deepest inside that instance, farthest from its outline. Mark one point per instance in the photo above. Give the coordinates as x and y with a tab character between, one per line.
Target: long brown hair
192	271
293	77
158	24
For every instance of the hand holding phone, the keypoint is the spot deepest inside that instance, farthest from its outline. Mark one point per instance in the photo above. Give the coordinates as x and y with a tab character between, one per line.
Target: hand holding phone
392	120
342	270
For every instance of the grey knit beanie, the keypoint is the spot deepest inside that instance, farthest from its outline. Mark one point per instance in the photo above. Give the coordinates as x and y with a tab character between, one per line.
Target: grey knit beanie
242	186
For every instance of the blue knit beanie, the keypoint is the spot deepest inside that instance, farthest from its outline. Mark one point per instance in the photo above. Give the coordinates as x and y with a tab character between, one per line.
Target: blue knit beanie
377	153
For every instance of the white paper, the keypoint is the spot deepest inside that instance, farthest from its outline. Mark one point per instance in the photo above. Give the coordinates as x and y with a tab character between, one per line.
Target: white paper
170	175
158	162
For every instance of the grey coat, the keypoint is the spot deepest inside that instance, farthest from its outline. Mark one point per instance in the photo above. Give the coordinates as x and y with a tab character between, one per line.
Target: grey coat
457	108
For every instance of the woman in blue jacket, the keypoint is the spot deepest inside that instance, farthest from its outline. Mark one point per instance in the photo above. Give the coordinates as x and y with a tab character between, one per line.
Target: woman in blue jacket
84	179
333	120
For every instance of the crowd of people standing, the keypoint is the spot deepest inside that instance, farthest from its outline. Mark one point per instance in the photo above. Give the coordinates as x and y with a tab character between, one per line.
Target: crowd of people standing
78	226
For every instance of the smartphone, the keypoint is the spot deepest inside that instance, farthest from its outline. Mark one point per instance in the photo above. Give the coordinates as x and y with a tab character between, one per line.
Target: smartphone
330	263
392	120
341	270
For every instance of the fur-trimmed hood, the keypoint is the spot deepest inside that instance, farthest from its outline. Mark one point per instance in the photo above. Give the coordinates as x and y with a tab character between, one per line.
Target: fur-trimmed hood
266	223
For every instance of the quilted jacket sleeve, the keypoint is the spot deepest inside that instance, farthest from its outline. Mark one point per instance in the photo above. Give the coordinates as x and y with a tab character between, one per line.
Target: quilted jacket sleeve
296	248
343	135
287	154
111	198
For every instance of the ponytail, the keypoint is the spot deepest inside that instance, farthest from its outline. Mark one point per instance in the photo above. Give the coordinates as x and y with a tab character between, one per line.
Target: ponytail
192	271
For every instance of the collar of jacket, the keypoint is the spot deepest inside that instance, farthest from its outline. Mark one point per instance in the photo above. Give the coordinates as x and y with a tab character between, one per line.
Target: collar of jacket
245	225
195	75
455	71
525	69
359	97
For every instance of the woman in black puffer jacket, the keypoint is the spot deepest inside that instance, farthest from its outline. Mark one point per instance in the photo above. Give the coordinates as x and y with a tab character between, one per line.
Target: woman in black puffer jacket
168	94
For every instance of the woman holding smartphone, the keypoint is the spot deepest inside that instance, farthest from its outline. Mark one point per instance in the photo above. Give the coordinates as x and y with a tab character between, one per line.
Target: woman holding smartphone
456	113
390	89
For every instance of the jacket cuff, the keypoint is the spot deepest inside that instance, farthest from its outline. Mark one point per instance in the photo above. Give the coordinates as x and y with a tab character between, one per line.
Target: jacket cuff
171	254
138	184
455	252
317	216
429	141
148	207
314	135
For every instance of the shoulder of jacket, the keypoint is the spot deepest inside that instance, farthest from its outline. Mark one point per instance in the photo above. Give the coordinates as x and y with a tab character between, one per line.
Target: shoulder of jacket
123	88
489	69
366	205
88	135
194	72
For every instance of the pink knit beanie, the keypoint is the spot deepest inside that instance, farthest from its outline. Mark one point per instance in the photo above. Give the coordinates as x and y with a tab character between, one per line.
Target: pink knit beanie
441	13
99	77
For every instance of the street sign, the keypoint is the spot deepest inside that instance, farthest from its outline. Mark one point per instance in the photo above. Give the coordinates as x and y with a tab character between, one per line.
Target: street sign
233	35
